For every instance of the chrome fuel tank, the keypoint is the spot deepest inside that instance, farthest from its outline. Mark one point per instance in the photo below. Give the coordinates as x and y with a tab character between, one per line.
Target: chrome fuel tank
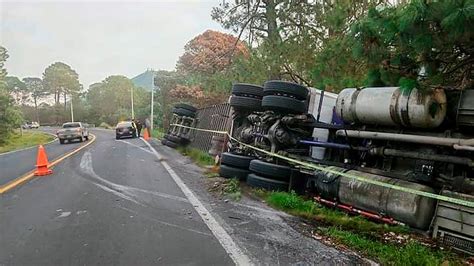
411	209
391	107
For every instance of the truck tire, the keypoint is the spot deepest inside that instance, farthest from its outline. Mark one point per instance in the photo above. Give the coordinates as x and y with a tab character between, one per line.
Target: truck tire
270	170
256	181
235	160
172	138
242	89
232	172
245	103
186	106
184	112
176	139
283	104
275	87
170	144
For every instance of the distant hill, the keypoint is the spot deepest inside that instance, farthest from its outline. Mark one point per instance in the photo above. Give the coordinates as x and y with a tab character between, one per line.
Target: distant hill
144	80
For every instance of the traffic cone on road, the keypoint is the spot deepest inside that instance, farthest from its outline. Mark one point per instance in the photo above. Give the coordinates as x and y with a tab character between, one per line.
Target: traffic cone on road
42	163
146	136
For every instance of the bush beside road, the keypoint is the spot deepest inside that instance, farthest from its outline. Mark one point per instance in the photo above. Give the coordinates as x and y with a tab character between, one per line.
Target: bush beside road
158	133
18	141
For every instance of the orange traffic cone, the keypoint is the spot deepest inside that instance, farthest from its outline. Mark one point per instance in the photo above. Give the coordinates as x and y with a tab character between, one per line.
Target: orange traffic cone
42	163
146	136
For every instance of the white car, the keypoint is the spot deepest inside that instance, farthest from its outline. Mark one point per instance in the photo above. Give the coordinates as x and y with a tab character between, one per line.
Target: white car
30	125
72	131
35	125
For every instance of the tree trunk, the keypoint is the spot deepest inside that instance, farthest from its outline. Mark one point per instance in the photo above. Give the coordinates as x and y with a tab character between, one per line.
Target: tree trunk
57	97
36	110
274	38
65	105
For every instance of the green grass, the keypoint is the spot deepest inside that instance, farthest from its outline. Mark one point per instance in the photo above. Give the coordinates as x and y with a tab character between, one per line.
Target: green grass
197	156
358	233
297	205
158	133
16	141
211	174
412	253
232	189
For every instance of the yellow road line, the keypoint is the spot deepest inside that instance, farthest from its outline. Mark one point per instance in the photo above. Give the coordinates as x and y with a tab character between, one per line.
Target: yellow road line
20	180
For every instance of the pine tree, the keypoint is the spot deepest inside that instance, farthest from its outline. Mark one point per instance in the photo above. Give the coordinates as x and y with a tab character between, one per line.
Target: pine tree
421	44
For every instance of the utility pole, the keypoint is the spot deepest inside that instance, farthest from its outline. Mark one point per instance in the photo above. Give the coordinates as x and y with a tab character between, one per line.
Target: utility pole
131	98
72	111
152	97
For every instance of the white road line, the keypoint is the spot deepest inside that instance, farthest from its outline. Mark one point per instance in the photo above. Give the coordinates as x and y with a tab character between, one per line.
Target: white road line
219	232
141	148
157	155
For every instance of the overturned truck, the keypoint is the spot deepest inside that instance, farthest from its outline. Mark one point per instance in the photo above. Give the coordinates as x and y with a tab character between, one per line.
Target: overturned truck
419	140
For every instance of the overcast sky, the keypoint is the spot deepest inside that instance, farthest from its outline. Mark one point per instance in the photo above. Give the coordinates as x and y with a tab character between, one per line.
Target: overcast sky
99	39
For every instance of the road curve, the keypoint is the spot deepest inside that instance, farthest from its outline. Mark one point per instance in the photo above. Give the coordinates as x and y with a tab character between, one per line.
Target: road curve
16	164
111	203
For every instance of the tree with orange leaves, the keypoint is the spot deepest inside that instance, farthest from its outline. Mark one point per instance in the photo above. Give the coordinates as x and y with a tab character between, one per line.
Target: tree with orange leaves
210	52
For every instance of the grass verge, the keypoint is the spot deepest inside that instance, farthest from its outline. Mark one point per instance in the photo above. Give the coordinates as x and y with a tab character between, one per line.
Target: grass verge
197	156
105	125
158	133
229	188
357	233
411	253
298	206
232	189
17	141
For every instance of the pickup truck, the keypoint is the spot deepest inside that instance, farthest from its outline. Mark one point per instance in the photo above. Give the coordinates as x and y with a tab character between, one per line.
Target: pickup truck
73	131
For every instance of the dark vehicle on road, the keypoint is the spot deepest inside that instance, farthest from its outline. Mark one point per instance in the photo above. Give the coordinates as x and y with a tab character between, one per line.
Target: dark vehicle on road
73	131
125	129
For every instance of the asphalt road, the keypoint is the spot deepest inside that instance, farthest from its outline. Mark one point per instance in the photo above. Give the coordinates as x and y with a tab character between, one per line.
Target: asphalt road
110	204
15	164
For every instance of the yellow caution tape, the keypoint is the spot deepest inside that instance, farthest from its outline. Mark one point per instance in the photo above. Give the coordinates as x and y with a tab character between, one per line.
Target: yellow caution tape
329	170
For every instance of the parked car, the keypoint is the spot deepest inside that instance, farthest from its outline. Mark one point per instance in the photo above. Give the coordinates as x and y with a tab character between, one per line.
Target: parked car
30	125
73	131
125	129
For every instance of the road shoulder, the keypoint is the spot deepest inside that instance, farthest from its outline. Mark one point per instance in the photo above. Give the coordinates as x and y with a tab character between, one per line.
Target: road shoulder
267	236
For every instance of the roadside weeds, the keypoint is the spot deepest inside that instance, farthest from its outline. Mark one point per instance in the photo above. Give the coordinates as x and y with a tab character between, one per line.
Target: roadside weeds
29	139
157	133
388	245
197	156
229	188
